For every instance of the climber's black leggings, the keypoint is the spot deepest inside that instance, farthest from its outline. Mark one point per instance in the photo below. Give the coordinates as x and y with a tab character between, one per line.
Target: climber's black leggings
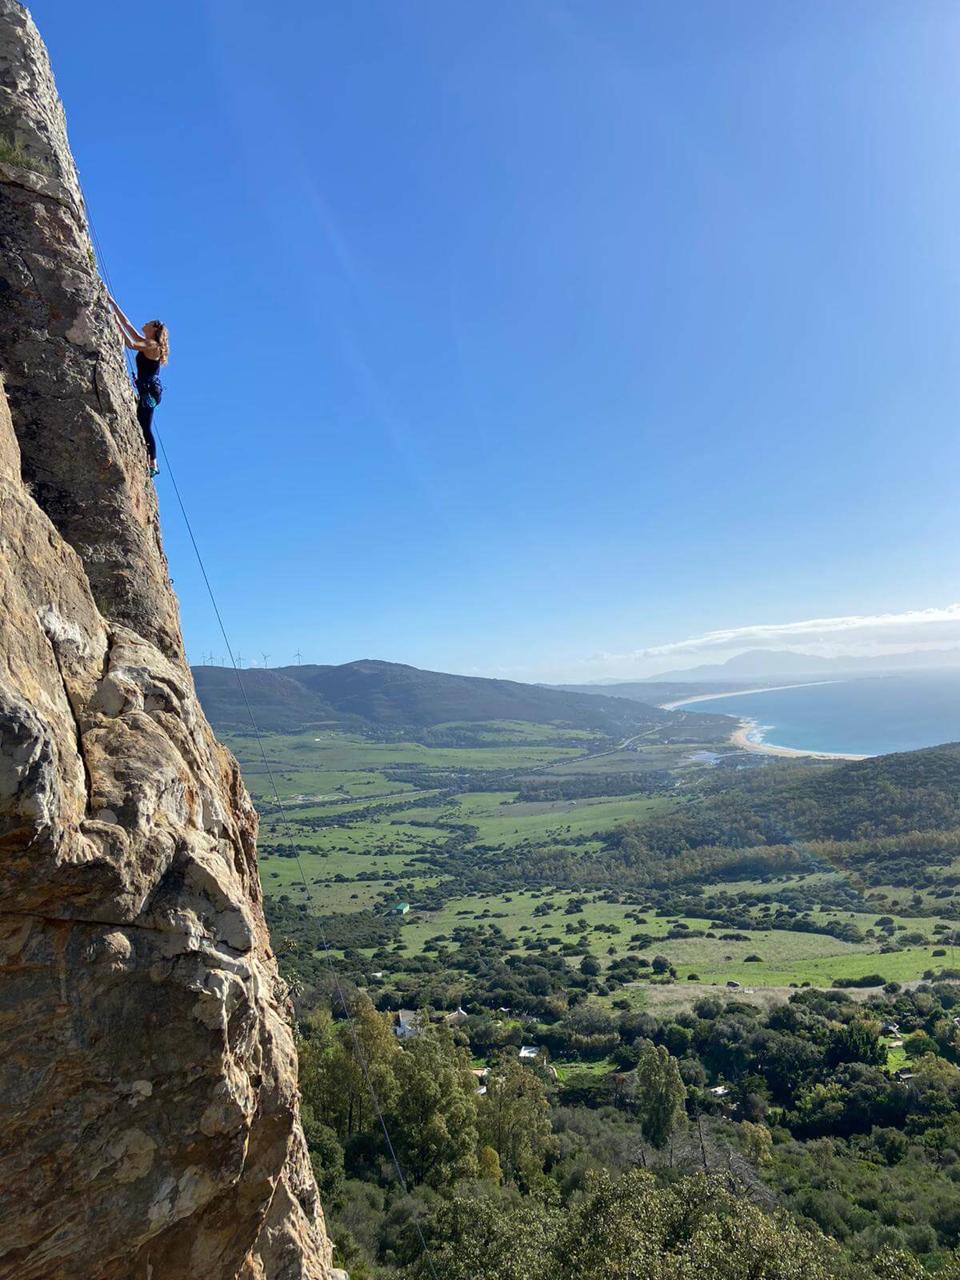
145	418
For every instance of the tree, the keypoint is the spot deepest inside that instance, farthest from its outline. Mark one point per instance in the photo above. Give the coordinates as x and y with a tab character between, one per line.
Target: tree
752	1098
343	1063
819	1109
590	966
660	1094
677	1039
490	1238
757	1143
630	1227
785	1061
489	1165
434	1119
858	1041
514	1119
326	1157
695	1228
918	1044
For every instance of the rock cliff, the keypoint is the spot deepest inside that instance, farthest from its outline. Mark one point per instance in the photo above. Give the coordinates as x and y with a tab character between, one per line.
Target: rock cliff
148	1098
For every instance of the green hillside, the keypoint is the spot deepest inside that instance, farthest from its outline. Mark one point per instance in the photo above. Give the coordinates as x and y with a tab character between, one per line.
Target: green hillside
389	696
756	925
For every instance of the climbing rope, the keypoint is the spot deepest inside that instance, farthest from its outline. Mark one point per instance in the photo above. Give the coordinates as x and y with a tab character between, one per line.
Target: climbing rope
328	953
331	968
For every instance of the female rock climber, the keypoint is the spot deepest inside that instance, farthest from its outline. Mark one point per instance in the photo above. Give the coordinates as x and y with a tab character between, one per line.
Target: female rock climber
152	346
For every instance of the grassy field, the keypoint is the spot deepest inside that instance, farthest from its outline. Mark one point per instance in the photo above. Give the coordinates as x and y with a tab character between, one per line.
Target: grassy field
501	821
650	756
598	1069
786	957
370	822
320	764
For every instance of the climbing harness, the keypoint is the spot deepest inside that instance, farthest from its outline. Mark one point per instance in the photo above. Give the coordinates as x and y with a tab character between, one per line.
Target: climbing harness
149	391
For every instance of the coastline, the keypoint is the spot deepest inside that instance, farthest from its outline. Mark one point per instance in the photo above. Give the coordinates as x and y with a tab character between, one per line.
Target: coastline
742	740
745	738
739	693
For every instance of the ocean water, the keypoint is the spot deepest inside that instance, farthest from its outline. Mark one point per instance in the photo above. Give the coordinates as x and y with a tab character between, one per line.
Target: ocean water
870	717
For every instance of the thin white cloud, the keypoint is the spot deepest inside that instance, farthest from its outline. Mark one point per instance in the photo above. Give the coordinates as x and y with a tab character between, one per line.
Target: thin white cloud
933	631
913	626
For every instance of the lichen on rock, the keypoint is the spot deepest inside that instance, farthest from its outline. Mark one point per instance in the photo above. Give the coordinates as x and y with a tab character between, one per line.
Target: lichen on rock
148	1094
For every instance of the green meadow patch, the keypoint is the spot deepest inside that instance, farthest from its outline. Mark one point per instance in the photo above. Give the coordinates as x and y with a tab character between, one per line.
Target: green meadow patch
375	822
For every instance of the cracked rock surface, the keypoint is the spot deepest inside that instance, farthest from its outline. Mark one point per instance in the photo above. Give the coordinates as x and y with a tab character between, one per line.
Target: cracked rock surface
148	1096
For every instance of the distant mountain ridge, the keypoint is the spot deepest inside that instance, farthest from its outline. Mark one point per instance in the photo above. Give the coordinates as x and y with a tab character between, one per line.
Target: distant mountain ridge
393	696
760	664
785	664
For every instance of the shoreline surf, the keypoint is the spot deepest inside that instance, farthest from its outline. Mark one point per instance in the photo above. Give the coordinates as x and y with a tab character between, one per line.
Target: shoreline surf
748	734
741	739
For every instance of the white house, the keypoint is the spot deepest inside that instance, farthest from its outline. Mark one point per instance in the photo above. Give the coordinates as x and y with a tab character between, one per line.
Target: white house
407	1024
528	1052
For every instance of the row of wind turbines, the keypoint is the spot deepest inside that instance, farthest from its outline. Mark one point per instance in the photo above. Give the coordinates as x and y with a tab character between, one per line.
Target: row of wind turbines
211	659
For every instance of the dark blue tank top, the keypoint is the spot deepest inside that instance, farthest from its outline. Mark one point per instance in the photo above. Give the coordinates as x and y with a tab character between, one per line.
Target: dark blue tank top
147	369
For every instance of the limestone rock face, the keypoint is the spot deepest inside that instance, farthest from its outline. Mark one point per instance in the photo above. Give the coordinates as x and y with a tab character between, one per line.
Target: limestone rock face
148	1099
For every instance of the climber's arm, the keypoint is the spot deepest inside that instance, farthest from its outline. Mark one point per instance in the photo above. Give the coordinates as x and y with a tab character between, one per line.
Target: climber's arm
136	343
131	335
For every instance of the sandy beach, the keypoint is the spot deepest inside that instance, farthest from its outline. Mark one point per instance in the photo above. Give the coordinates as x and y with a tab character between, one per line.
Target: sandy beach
743	737
738	693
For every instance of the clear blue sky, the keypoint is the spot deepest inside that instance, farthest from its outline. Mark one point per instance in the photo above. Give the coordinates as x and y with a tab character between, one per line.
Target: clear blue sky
506	334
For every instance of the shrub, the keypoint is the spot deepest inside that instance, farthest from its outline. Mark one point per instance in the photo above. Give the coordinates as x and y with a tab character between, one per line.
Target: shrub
868	980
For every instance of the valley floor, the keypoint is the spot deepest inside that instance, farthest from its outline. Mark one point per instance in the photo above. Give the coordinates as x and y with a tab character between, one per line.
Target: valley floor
515	835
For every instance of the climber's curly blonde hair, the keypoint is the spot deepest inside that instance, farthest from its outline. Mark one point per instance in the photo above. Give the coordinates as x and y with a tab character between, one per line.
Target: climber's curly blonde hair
162	339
